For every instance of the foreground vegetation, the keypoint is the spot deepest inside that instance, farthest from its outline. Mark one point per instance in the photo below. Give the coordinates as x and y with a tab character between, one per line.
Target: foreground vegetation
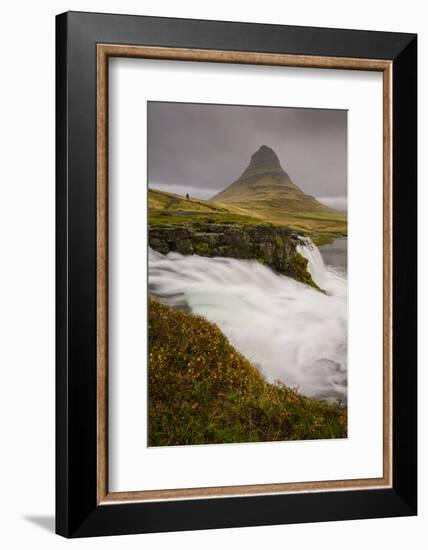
201	390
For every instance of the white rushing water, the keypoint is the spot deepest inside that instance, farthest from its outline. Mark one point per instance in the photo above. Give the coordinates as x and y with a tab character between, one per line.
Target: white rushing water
288	330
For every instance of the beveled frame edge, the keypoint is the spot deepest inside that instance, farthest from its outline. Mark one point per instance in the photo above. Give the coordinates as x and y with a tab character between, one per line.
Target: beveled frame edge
104	51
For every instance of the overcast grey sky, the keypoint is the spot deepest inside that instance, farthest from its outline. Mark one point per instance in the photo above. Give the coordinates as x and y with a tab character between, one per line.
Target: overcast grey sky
201	149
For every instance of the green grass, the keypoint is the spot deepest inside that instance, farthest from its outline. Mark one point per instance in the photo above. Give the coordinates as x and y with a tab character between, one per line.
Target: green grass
324	238
157	217
201	390
329	216
279	201
168	208
161	200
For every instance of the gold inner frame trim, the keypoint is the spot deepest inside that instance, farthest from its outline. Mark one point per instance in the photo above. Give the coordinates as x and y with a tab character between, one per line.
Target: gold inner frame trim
104	51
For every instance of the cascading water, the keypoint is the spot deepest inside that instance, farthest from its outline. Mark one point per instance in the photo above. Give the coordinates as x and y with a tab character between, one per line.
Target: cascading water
316	265
288	330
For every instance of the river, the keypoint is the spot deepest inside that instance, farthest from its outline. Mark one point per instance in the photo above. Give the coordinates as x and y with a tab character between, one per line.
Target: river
336	254
288	330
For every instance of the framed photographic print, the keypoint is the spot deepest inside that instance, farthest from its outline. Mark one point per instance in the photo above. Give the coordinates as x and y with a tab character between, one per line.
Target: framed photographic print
236	274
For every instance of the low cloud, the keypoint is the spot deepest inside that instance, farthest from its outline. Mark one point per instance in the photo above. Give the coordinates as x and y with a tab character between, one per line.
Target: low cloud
339	203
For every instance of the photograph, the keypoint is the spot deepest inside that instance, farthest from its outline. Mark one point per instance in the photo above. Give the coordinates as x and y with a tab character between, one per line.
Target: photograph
247	273
212	275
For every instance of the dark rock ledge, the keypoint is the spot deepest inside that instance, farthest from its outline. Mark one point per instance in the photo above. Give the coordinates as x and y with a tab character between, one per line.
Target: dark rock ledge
273	246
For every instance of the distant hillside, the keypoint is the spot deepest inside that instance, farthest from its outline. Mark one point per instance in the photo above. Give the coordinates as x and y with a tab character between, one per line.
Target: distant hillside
265	190
170	208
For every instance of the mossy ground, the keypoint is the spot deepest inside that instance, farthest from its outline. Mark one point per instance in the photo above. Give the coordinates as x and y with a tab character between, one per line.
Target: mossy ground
325	238
201	390
157	217
203	249
300	272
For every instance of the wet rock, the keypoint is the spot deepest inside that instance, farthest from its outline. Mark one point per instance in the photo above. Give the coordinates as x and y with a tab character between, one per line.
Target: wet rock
184	246
270	245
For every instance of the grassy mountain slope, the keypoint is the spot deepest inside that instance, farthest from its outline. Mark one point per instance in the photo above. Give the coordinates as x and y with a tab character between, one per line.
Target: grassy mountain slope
270	200
201	390
171	208
266	190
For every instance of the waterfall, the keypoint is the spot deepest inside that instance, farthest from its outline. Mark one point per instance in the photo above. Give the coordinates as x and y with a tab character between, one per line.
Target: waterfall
288	330
327	278
316	265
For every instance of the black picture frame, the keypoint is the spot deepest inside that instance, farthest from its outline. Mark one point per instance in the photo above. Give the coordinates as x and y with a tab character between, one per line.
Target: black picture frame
77	511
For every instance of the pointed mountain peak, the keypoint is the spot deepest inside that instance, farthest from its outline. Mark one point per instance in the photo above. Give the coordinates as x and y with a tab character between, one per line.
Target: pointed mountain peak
265	190
265	153
263	162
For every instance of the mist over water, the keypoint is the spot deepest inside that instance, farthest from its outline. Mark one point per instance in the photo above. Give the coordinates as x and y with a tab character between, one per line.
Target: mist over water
288	330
